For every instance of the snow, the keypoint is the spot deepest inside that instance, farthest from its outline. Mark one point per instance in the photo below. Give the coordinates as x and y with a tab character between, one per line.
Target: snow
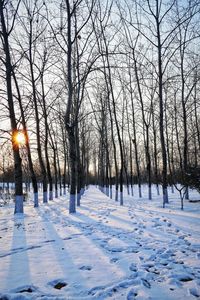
104	251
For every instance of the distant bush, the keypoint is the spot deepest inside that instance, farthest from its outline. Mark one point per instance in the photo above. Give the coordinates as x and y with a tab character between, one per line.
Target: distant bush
192	178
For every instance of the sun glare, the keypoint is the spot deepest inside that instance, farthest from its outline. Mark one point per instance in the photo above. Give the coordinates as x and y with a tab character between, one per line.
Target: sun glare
20	138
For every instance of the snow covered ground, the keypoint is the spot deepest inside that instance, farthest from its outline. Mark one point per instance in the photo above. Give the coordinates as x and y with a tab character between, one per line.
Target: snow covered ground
104	251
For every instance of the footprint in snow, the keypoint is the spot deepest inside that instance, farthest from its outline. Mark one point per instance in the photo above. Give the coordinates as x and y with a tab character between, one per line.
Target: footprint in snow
141	225
146	283
25	289
133	267
156	225
149	264
86	268
134	222
57	284
114	259
60	285
132	250
115	249
194	292
132	294
183	277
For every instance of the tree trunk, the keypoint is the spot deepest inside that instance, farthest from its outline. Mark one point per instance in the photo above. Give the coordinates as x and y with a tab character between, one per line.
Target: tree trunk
30	162
161	108
39	150
15	146
155	154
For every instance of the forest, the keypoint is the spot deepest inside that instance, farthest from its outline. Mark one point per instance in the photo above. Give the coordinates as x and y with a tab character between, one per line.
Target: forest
99	149
102	92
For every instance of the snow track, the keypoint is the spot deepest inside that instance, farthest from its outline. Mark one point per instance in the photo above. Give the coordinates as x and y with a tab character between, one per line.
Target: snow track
138	251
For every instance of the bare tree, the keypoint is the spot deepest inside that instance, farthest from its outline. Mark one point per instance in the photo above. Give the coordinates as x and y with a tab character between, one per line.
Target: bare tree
5	32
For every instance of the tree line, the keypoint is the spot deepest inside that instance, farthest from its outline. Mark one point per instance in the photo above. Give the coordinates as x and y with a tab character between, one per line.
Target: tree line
105	92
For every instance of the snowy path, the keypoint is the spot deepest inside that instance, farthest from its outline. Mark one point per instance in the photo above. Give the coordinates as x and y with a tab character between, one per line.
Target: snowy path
103	252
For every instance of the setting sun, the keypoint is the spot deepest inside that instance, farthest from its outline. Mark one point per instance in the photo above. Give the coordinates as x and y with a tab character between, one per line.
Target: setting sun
20	138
